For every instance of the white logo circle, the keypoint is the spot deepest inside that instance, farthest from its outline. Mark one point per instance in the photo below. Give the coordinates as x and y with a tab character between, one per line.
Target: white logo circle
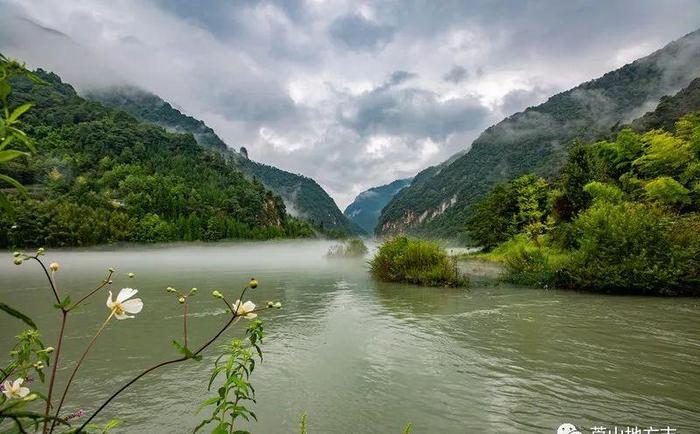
567	428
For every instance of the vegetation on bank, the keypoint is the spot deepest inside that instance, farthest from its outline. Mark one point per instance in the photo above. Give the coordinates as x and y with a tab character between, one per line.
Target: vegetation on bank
623	216
536	140
301	193
102	176
421	262
352	248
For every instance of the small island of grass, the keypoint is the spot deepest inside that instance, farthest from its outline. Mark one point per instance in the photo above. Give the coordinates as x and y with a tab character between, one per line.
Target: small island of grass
352	248
409	260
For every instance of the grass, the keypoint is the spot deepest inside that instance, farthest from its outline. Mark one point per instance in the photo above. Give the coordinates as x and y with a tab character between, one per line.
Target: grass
352	248
409	260
526	262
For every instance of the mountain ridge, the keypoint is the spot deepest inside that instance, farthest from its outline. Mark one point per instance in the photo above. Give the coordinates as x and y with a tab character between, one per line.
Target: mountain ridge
536	139
303	196
367	206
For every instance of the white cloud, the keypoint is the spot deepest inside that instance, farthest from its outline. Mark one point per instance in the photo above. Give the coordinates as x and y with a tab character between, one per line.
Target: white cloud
351	94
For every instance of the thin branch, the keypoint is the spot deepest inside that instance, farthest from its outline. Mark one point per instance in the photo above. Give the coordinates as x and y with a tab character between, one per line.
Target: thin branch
77	366
89	294
51	282
185	321
234	317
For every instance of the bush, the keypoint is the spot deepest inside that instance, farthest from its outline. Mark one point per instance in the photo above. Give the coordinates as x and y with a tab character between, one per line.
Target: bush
352	248
531	264
635	248
403	259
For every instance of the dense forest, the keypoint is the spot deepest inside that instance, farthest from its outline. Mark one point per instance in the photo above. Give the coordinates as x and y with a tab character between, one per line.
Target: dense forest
101	176
622	216
302	195
537	139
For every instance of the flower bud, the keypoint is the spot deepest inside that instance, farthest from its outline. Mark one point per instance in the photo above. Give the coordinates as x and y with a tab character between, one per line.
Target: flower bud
217	294
16	254
111	270
131	275
277	305
39	365
170	289
270	304
54	266
193	291
181	300
110	281
253	283
48	350
18	261
40	251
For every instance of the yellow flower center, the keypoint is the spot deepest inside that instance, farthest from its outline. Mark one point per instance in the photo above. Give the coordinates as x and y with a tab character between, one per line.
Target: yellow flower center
118	309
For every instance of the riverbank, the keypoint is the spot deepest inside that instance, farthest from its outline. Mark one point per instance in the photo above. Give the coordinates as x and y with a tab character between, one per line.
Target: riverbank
351	351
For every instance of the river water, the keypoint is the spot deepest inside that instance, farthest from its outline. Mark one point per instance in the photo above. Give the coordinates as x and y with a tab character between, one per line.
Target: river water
359	356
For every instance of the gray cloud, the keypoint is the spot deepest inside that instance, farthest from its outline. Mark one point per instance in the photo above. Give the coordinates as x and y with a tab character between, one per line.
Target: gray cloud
456	74
357	33
352	95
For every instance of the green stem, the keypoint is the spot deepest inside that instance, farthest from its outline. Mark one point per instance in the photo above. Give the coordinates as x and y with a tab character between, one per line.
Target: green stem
185	322
231	320
77	366
52	380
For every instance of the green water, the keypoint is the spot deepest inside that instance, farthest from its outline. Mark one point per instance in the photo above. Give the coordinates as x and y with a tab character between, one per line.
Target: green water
362	357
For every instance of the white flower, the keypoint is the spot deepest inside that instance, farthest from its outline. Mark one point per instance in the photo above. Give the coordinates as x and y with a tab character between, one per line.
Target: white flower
246	309
121	306
14	390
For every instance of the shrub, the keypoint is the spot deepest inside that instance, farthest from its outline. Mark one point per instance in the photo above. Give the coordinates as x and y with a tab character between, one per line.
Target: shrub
634	248
403	259
530	263
353	248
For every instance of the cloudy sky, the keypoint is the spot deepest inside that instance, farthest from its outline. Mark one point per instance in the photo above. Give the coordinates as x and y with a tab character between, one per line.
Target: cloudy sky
351	93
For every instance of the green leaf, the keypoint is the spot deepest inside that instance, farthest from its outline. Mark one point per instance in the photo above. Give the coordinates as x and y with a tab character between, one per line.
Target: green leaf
63	304
5	89
14	183
221	429
17	314
16	113
111	424
11	154
19	134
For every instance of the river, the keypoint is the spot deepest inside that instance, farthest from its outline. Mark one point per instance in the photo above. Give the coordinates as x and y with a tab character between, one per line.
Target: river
364	357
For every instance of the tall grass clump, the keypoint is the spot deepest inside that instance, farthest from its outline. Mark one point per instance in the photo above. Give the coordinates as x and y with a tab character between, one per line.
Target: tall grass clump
530	263
352	248
409	260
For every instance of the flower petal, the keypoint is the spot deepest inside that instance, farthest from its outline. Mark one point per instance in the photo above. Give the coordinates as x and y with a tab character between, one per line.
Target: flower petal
122	316
248	306
23	391
18	382
126	293
110	302
133	306
251	315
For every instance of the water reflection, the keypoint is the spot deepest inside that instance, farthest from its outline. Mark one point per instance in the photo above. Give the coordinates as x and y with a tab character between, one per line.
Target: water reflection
362	356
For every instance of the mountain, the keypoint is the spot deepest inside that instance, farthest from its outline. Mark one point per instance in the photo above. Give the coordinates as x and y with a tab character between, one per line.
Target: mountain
670	109
150	108
536	140
303	196
101	176
365	209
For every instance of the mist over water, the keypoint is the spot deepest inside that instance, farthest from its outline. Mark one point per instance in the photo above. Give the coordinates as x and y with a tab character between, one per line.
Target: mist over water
361	356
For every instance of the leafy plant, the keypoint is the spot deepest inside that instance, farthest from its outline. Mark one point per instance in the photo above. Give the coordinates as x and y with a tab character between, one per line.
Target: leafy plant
234	367
403	259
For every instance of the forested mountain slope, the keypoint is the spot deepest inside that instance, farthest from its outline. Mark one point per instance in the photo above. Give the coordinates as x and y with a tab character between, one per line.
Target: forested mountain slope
100	176
302	195
536	140
367	206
